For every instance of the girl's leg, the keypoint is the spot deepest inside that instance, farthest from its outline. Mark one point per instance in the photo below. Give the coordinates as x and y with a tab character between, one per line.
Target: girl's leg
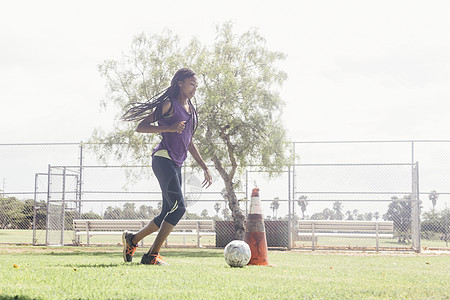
173	199
147	230
154	224
164	231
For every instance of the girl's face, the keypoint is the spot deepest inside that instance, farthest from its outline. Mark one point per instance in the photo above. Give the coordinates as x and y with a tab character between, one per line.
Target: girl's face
188	87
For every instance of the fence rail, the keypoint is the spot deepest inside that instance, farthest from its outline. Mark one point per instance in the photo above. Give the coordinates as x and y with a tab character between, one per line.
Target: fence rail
43	187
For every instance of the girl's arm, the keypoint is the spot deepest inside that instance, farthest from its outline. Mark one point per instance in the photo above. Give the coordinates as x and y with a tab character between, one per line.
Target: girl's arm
196	155
146	125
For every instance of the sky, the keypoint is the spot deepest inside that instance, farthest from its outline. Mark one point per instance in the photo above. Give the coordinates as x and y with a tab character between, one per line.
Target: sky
357	70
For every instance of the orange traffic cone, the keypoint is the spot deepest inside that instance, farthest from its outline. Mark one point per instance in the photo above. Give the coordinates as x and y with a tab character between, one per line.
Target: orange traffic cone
255	234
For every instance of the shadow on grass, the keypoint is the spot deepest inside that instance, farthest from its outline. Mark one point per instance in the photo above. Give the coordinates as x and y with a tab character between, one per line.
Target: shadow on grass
191	253
111	265
87	253
165	252
18	297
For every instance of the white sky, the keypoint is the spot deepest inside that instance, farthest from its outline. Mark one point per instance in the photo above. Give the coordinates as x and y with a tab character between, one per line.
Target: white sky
358	70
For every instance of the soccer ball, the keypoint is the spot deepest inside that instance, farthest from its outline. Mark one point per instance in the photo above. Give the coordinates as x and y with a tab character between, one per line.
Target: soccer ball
237	253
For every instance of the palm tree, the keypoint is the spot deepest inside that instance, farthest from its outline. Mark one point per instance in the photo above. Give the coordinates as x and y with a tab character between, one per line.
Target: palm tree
303	204
274	206
433	196
376	215
337	207
217	207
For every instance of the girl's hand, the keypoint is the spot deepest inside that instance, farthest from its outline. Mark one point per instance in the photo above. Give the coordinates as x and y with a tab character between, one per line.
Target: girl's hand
208	179
178	127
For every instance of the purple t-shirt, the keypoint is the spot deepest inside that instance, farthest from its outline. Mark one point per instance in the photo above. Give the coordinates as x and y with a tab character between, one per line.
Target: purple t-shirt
177	144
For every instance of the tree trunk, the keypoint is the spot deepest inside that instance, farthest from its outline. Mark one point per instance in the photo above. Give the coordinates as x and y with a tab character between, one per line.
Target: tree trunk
233	203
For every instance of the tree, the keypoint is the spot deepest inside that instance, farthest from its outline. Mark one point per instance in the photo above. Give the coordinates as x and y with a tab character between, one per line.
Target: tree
238	102
318	216
217	207
328	214
435	225
274	206
146	212
399	211
376	215
129	211
368	216
337	207
349	215
90	215
11	213
113	213
204	214
226	214
433	196
303	204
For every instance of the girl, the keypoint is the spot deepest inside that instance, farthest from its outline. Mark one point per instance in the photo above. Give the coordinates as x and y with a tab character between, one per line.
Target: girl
177	122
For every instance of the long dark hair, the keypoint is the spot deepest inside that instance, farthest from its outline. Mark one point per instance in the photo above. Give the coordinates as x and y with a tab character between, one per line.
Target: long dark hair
138	111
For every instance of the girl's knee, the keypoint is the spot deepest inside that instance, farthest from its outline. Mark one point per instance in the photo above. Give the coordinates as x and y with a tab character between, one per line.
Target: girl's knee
182	210
176	215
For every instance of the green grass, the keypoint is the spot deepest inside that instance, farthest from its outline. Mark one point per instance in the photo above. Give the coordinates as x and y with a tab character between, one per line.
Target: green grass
99	273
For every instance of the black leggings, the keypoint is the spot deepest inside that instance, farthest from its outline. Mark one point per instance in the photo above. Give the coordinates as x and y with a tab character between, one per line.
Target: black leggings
169	177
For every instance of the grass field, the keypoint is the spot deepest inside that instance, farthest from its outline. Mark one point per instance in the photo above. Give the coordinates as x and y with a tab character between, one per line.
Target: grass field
99	273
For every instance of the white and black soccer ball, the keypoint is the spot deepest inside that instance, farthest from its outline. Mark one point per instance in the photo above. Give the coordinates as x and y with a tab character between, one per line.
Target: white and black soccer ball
237	253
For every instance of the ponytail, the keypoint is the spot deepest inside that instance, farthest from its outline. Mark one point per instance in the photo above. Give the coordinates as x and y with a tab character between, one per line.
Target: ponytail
138	111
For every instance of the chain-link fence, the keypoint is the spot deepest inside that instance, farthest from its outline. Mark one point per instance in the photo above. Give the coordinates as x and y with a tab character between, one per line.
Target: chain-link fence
337	195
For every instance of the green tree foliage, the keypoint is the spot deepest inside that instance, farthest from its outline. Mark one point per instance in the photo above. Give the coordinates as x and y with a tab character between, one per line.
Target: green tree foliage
349	215
238	102
204	214
18	214
129	211
436	225
399	211
91	216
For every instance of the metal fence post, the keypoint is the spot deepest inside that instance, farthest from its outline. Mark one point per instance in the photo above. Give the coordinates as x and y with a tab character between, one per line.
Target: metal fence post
49	183
35	208
289	210
415	209
79	189
80	182
292	225
63	204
